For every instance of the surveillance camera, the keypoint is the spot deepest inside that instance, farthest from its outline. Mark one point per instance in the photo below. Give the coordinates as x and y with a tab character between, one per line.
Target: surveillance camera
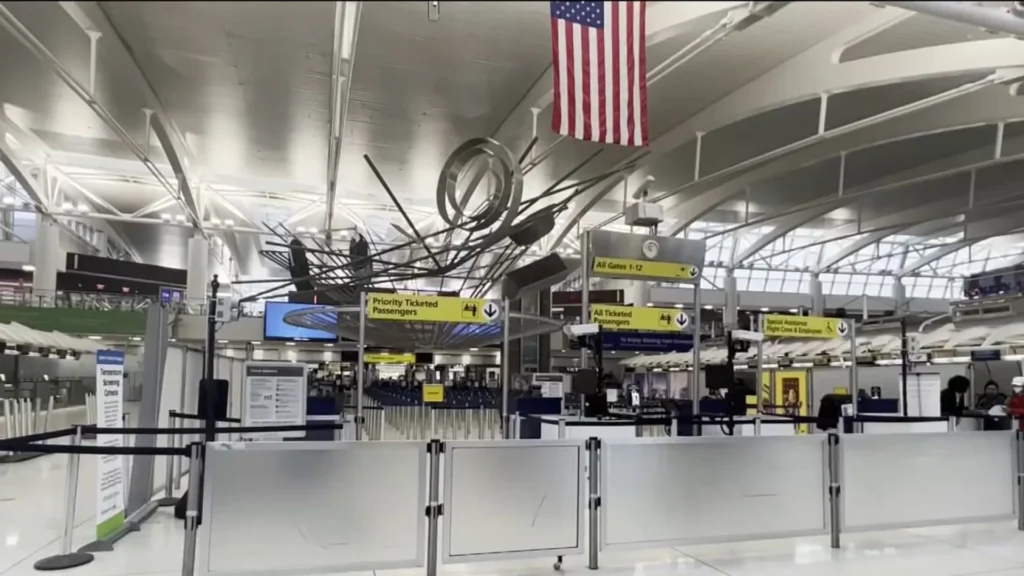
577	330
643	189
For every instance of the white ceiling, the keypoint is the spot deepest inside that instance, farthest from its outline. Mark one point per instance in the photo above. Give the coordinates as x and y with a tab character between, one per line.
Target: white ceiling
244	91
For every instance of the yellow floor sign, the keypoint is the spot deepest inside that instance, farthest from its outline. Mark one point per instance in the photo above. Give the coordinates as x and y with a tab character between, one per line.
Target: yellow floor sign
431	308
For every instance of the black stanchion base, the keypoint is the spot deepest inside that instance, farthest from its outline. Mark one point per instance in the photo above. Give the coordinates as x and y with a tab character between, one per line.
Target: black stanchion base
168	501
97	546
63	561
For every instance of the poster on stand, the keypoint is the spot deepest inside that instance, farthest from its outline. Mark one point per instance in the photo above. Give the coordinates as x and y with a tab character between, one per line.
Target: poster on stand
274	394
110	473
924	391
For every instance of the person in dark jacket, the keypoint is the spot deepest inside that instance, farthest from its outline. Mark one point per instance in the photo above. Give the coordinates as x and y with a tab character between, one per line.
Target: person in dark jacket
952	400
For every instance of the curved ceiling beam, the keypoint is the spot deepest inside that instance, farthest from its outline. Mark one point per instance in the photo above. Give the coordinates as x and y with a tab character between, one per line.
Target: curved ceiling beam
783	226
813	73
974	233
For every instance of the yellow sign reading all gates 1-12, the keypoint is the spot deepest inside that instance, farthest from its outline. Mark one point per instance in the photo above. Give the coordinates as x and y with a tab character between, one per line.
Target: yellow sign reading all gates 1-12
647	319
433	393
645	268
431	308
389	359
804	326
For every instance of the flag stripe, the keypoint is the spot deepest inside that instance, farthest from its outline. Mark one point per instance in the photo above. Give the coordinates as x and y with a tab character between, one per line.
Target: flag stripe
600	69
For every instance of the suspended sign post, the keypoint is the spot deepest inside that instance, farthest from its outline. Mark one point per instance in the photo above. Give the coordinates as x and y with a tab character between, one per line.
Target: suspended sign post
607	254
416	308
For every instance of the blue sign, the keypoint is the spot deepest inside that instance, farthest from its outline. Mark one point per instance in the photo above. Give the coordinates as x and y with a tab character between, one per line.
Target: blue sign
110	357
646	341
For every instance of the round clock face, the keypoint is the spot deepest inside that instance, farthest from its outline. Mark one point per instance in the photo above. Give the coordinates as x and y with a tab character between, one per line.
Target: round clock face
650	249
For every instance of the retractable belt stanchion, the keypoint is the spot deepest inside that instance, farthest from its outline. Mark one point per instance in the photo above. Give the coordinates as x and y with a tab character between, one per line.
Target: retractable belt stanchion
360	366
434	508
195	471
67	558
1020	479
168	497
505	359
834	488
593	449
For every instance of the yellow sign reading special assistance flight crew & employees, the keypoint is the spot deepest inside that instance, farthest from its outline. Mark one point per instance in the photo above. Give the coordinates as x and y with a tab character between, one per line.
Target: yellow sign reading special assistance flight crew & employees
804	326
413	308
645	268
647	319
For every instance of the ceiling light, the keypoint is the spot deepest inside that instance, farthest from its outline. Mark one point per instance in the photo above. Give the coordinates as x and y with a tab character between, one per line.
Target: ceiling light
312	230
179	217
764	309
794	310
255	342
66	206
8	200
28	268
709	307
165	217
82	208
95	337
136	338
328	345
649	304
677	305
473	349
222	341
174	339
289	343
300	229
229	223
215	221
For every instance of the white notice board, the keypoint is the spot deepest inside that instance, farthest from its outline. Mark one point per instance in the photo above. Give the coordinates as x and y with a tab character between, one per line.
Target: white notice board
274	394
923	394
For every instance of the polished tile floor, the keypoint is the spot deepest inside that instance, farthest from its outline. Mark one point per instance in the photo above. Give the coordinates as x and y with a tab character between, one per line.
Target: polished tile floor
31	512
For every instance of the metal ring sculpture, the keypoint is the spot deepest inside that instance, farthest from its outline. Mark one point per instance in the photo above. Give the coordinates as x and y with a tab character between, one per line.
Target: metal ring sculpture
504	201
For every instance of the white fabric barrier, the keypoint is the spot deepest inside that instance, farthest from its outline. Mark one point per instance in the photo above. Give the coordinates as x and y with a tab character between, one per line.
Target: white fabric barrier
670	491
282	508
512	499
923	479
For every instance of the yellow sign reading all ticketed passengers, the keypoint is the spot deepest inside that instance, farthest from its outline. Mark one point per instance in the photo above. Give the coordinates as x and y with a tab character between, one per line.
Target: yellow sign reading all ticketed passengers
645	268
433	393
647	319
430	308
804	326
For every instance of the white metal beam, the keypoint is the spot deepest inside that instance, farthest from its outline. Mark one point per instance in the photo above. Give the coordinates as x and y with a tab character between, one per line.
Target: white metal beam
975	233
346	34
781	227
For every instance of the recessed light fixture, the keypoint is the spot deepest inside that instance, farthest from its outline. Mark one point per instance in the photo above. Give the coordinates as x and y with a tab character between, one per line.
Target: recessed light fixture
649	304
328	345
28	268
794	310
222	341
136	338
677	305
473	349
289	343
229	223
166	217
709	307
764	309
255	342
95	337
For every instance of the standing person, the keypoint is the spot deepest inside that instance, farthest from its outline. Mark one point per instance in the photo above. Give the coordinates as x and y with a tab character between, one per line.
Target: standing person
1016	403
952	400
991	397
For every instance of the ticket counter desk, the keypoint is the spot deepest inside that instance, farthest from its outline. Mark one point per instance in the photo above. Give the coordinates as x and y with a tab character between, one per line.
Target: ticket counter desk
582	428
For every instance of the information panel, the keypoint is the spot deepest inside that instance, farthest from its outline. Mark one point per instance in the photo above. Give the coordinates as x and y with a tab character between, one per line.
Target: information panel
274	394
389	359
804	326
631	318
431	308
110	513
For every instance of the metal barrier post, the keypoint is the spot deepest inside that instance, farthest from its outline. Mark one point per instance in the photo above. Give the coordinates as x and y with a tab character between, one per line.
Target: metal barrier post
1020	480
68	559
195	465
177	461
434	508
757	424
833	488
168	498
594	449
515	426
673	425
8	419
49	411
35	416
561	427
951	425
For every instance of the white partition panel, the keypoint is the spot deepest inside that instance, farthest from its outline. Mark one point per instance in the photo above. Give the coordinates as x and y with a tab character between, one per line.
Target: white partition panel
669	491
277	508
921	479
513	499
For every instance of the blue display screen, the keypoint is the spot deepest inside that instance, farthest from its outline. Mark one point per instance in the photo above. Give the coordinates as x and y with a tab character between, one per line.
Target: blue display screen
275	328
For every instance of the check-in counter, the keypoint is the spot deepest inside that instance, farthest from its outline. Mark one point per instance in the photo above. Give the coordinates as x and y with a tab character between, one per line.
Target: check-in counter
582	428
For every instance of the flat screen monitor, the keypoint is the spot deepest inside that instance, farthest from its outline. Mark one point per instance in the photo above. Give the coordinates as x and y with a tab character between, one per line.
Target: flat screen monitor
425	358
275	328
350	356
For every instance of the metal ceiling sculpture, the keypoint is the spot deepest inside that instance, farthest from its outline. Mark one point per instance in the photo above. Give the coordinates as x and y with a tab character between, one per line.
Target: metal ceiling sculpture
497	223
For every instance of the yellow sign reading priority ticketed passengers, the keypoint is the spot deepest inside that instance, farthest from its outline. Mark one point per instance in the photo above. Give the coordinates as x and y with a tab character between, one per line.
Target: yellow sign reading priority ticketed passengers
430	308
647	319
804	326
644	268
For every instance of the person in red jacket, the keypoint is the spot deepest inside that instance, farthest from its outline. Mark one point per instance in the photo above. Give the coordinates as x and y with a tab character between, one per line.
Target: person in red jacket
1016	403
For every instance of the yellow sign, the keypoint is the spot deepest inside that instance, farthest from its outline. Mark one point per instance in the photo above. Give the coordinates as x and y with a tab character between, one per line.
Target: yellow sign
647	319
389	358
431	308
433	393
645	268
804	326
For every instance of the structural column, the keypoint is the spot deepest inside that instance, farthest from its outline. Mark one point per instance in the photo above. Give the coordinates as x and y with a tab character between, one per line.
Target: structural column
899	294
817	298
46	255
732	304
198	272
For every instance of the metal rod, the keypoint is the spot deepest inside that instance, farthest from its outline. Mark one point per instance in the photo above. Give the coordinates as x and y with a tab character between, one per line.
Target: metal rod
46	419
434	506
833	488
584	289
696	342
35	416
506	357
195	466
360	366
594	448
93	39
70	495
8	418
758	385
169	475
1020	480
853	365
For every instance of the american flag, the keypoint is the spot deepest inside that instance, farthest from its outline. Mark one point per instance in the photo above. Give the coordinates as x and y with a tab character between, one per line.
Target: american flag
600	70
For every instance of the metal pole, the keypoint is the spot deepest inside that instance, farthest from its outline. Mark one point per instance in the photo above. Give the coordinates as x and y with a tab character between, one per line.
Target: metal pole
506	357
168	498
35	417
433	506
833	488
49	411
195	470
208	374
759	386
593	448
178	466
1020	480
853	366
67	558
360	366
905	358
8	419
584	289
696	343
561	427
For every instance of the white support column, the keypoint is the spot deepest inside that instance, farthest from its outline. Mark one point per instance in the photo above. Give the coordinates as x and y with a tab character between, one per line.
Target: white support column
46	255
817	298
732	304
198	269
899	294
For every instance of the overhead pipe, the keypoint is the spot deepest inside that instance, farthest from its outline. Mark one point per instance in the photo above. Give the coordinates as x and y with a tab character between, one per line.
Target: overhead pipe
346	34
990	19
